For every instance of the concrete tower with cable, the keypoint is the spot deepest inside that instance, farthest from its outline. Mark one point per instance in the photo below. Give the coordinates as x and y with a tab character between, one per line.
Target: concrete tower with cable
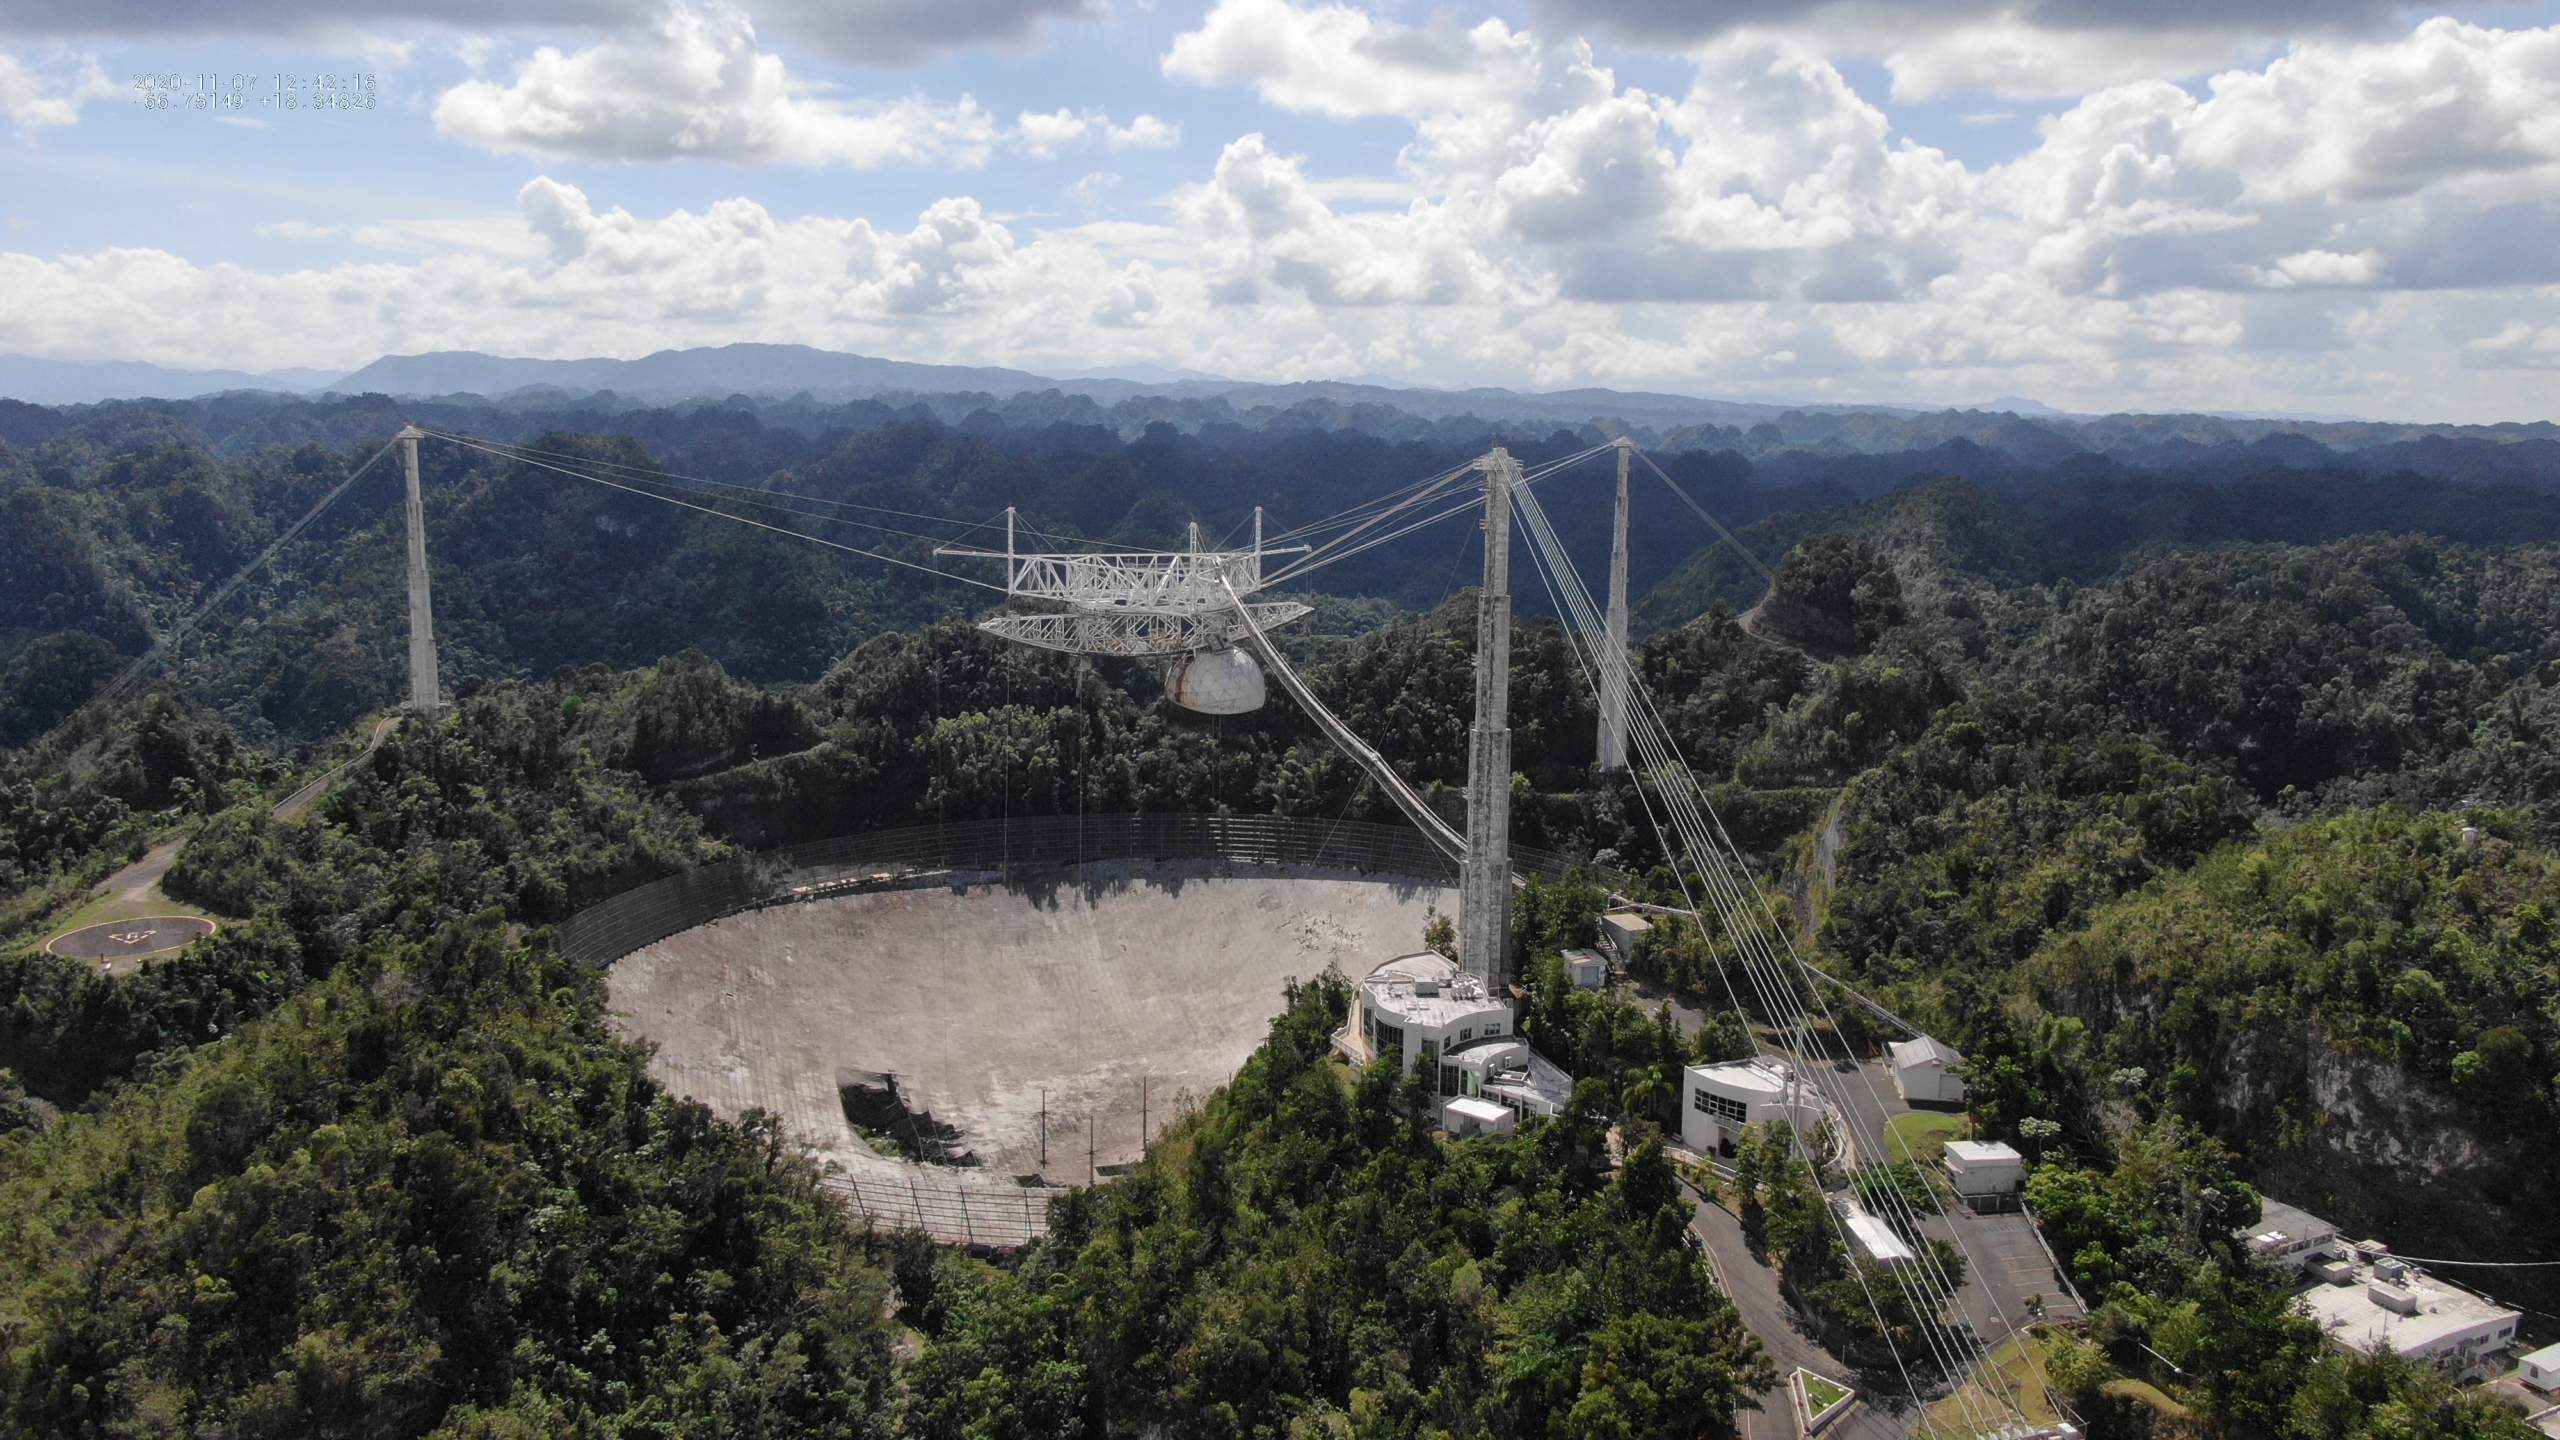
425	696
1484	877
1613	658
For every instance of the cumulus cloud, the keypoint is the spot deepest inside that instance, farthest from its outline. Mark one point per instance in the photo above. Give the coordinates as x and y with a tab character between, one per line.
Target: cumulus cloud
1146	133
1340	61
2015	47
698	86
2367	122
1043	135
34	101
2348	226
884	32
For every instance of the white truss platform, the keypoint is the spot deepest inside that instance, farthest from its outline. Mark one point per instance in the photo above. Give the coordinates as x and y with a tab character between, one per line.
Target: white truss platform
1137	603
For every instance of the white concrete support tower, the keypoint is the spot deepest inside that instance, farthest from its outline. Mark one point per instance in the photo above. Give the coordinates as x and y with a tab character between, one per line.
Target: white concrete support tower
423	693
1613	662
1484	883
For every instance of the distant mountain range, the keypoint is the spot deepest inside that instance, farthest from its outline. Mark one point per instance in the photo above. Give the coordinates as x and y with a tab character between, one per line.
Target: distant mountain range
76	382
810	390
780	372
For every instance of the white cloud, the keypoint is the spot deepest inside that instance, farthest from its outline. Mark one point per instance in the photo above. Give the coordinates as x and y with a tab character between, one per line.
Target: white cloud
1146	133
1044	135
697	86
1090	190
2267	245
1339	61
2324	267
35	102
503	233
2367	122
2518	345
2024	48
877	32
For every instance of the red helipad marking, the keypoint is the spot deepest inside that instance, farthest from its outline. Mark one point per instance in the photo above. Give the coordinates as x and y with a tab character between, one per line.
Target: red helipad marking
125	939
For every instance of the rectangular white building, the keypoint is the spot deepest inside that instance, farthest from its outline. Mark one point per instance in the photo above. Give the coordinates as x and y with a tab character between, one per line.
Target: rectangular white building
1589	969
1466	1116
1986	1173
2391	1305
1720	1100
1619	932
1927	1071
2293	1238
2541	1369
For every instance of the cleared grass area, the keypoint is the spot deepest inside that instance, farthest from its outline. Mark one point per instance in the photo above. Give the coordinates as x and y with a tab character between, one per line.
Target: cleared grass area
129	894
1921	1136
2008	1384
2150	1395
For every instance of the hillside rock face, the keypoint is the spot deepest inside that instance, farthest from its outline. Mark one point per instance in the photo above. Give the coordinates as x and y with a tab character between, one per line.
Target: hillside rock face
2361	1143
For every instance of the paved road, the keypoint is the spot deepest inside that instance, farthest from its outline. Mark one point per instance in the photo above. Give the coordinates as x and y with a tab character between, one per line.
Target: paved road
1648	995
2005	1264
300	801
2014	1267
1881	1414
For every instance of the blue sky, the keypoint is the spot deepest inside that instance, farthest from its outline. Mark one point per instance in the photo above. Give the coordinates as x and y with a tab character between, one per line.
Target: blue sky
2338	207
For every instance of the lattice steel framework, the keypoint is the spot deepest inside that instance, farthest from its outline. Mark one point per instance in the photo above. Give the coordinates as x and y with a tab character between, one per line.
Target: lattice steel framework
1154	602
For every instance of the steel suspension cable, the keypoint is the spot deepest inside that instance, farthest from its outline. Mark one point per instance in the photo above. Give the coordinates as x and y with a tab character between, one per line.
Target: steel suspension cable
1547	563
228	587
668	476
1548	546
1726	893
761	499
725	515
1768	980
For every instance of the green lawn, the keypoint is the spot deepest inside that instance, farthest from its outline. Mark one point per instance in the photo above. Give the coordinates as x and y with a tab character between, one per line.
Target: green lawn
130	894
1821	1394
1922	1135
2009	1378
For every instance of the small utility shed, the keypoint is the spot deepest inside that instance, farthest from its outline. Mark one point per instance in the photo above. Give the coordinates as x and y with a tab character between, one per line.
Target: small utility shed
2541	1369
1619	931
1466	1116
1925	1071
1589	969
1985	1172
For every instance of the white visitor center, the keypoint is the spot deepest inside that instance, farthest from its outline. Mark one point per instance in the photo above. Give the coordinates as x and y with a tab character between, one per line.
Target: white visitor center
1423	1012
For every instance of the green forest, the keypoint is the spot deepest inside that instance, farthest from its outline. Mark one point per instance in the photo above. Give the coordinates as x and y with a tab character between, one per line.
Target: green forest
2218	826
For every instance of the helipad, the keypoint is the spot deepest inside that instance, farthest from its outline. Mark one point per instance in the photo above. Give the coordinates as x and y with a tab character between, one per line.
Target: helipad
130	939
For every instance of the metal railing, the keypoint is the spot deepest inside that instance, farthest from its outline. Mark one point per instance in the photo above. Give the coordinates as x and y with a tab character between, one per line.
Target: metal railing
949	1209
610	929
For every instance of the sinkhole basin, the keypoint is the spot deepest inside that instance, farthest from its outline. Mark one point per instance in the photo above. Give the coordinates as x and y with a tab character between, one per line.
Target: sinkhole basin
992	1001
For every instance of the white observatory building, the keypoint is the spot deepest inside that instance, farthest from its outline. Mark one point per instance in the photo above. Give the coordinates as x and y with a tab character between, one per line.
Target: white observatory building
1423	1012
